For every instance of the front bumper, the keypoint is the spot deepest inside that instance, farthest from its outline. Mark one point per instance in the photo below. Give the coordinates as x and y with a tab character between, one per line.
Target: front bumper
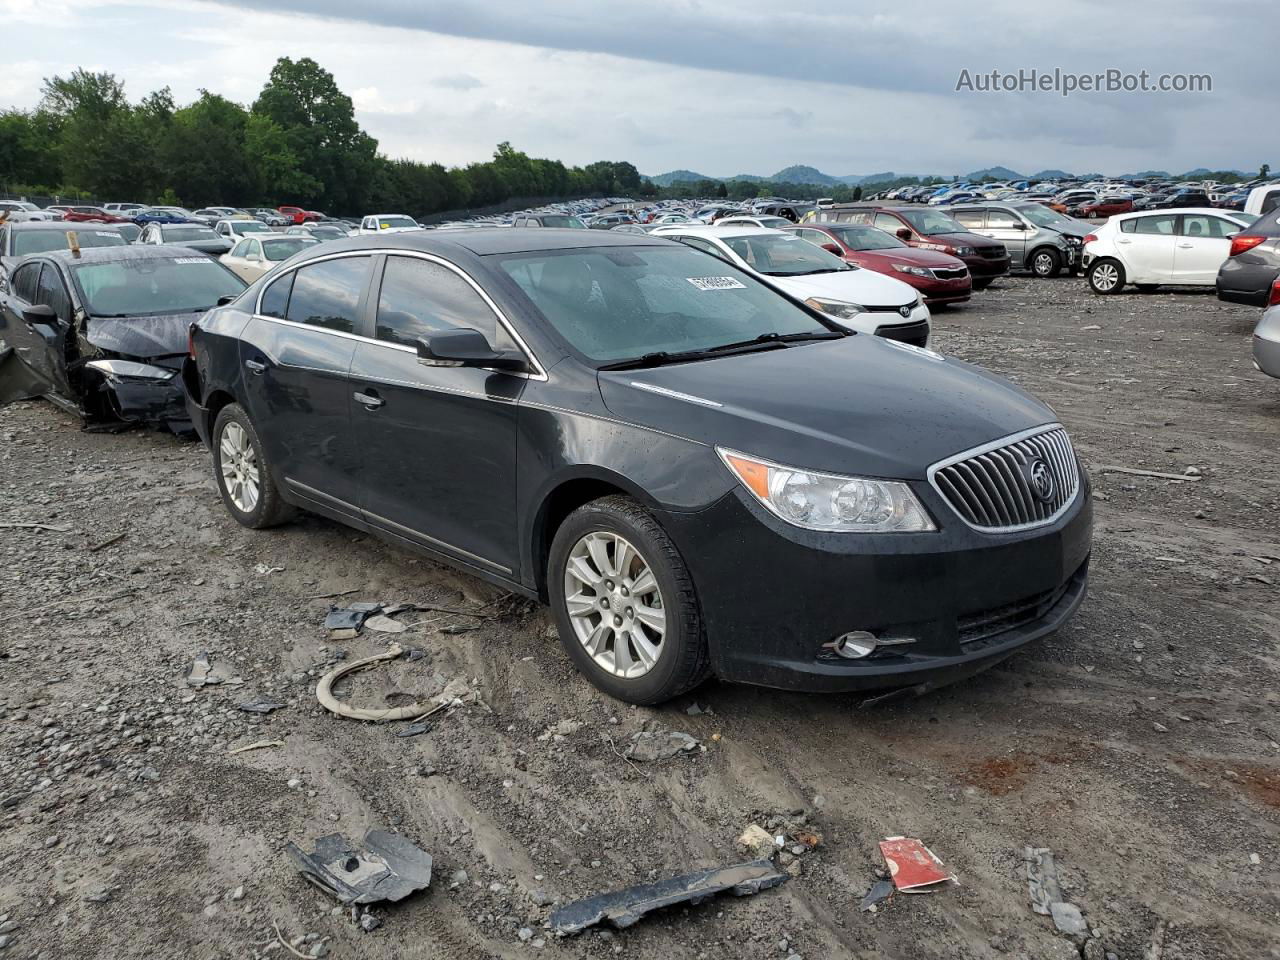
773	594
935	291
982	267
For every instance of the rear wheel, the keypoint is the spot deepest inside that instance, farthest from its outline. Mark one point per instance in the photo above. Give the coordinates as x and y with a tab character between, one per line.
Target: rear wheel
625	604
1046	262
1106	276
241	471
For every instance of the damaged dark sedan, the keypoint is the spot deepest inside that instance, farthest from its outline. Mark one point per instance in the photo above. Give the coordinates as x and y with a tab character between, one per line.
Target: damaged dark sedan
102	331
700	474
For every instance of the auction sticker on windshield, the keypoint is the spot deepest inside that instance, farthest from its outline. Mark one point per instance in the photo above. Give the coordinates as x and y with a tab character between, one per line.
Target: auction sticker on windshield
717	283
192	260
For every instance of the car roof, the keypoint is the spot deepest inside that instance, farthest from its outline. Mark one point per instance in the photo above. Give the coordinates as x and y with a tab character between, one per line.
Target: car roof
718	231
1158	212
128	251
482	242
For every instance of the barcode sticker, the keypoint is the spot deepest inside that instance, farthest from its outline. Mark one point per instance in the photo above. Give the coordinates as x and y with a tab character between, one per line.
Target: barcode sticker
717	283
192	260
106	233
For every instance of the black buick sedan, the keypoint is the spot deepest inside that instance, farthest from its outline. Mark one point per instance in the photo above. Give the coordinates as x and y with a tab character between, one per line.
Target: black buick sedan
699	474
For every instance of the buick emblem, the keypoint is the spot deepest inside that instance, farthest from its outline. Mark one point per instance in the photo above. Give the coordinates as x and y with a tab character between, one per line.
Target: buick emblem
905	311
1040	479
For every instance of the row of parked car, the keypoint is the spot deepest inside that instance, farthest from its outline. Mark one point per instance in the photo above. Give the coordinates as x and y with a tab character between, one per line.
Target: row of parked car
1085	198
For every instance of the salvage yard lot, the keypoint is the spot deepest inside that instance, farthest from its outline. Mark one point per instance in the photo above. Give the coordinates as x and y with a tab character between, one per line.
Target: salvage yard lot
1141	743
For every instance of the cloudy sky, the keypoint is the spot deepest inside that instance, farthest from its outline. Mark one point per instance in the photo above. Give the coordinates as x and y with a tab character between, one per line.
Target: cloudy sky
717	87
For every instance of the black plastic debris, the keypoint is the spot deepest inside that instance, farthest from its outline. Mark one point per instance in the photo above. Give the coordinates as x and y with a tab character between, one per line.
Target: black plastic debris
343	623
626	907
388	867
413	729
880	891
259	706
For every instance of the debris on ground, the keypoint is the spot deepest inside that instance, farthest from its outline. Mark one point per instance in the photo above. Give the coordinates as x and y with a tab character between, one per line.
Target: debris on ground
414	729
381	623
913	866
324	692
645	746
880	891
259	706
202	672
625	907
102	545
344	623
386	867
256	745
758	842
1046	893
1133	472
1156	950
32	525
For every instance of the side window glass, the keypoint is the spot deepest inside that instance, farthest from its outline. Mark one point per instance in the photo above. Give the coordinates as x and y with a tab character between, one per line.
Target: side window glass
706	246
1000	220
974	219
326	294
240	249
24	282
1220	229
419	298
52	292
255	248
1159	226
1129	226
275	299
886	222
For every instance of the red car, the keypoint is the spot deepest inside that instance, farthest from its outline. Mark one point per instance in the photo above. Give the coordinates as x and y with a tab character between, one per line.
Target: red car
1106	207
940	277
298	215
90	215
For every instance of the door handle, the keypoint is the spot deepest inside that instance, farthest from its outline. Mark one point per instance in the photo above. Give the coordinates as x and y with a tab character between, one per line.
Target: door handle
1186	246
1122	240
370	401
255	367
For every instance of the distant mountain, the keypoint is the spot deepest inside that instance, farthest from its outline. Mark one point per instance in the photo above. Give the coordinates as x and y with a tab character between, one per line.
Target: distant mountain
1144	174
677	176
995	173
1051	175
749	177
803	174
855	180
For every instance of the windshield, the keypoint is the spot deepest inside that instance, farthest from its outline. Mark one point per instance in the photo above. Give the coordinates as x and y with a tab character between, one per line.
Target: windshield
42	241
327	233
930	221
150	287
286	247
571	222
181	234
857	237
250	226
784	255
387	223
1042	216
619	303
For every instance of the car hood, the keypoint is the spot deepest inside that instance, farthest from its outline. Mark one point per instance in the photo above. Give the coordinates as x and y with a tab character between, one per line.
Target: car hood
141	338
860	405
912	255
864	287
975	240
1073	228
205	246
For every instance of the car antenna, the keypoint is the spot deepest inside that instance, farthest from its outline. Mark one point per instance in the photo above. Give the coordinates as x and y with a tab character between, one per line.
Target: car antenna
73	242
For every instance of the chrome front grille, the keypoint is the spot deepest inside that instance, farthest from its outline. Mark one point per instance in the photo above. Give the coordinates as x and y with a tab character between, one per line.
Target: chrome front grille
1018	482
947	273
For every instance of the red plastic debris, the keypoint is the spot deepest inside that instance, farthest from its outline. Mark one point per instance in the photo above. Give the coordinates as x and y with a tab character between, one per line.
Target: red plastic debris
912	866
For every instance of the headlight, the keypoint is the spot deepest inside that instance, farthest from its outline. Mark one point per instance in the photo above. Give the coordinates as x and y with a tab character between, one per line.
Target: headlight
837	308
823	501
914	271
961	251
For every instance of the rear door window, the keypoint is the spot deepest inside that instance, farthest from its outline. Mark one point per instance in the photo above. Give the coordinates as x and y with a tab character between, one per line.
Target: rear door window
24	282
887	221
52	292
1162	226
327	294
973	219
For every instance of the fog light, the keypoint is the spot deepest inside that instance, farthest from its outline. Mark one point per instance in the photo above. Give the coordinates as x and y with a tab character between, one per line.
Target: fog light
855	644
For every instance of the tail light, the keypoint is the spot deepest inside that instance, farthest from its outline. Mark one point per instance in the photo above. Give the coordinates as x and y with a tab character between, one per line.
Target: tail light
1090	238
1242	242
1274	301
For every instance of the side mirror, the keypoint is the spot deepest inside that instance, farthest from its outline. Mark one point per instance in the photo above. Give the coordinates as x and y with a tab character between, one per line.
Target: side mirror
1019	225
833	248
40	315
465	347
226	298
902	233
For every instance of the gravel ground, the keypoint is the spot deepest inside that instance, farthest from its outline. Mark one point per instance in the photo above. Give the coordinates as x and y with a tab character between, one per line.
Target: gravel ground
1141	743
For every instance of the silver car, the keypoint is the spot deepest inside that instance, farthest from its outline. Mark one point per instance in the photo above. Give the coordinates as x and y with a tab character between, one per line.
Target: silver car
1037	238
1266	343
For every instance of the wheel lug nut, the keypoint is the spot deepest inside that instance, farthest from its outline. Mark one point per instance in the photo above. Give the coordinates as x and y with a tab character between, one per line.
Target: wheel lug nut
604	603
626	592
630	612
617	621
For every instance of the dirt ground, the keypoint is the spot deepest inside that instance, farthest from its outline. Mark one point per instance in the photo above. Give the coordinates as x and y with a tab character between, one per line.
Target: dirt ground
1141	743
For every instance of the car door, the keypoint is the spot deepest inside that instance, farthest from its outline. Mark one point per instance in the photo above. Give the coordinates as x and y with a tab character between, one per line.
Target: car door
1201	248
44	346
1007	227
1145	246
436	444
15	331
296	357
236	263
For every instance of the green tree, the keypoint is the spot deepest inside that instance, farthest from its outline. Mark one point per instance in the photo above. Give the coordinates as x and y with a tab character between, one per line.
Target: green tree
206	154
1264	171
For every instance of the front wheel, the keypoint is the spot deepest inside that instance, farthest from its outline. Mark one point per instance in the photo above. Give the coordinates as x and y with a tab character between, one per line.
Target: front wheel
625	604
1106	276
1046	263
241	471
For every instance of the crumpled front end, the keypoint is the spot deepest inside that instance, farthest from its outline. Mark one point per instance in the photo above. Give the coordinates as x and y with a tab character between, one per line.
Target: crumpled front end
132	392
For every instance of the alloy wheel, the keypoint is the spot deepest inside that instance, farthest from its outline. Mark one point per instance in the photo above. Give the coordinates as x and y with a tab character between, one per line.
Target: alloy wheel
1043	264
1105	277
239	465
614	604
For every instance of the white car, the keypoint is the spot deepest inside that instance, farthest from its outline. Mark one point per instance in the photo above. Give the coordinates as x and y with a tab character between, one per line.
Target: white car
254	256
237	230
861	300
17	211
387	223
1180	247
755	220
1263	199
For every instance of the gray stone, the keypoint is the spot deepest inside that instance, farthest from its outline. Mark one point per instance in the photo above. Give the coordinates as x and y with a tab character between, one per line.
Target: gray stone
1068	919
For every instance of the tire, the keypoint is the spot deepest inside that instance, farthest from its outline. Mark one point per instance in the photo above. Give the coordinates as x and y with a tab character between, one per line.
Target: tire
1147	287
233	433
618	665
981	283
1046	263
1106	276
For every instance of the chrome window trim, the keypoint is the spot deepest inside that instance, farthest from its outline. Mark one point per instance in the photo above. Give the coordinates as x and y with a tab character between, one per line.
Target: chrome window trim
540	372
996	445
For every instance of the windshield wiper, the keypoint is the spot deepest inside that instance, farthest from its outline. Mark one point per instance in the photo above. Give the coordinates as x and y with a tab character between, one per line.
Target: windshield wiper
766	341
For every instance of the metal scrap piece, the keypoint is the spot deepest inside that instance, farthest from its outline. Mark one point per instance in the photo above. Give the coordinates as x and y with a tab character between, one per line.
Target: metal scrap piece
343	623
880	891
625	907
202	672
387	867
259	706
1042	879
